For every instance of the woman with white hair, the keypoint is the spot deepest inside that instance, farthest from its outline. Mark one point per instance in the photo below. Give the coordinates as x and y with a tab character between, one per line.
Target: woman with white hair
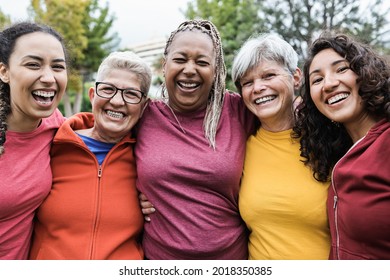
92	211
282	204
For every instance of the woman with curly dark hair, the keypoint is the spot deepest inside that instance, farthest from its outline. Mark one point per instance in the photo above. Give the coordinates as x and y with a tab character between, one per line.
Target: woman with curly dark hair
343	122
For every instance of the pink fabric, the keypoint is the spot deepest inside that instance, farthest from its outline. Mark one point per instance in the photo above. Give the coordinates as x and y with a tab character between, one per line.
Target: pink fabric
193	187
25	181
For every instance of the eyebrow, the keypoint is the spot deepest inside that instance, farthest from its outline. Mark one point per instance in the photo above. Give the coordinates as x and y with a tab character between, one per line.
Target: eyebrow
333	64
41	59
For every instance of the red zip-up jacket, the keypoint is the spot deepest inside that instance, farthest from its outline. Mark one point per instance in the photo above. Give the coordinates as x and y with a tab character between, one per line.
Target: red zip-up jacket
92	211
359	199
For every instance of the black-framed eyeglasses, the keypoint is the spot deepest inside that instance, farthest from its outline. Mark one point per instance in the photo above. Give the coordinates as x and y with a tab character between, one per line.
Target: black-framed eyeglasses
108	91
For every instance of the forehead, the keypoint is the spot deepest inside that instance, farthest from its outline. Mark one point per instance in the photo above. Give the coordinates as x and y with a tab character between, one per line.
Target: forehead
325	57
191	40
38	44
122	78
265	66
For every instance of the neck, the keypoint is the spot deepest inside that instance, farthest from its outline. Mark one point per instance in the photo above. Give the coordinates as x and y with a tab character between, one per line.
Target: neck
20	124
277	125
94	134
359	129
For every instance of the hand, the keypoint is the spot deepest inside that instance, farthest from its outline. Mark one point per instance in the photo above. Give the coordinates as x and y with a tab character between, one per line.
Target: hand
146	206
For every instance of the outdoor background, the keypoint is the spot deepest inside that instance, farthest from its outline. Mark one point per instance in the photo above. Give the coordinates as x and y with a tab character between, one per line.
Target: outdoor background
93	28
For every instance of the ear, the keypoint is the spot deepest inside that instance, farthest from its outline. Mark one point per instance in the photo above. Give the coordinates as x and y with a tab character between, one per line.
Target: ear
297	78
164	63
91	94
4	75
144	106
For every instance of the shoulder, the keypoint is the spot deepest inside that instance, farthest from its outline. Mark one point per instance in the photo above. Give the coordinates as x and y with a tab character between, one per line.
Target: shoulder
55	120
233	100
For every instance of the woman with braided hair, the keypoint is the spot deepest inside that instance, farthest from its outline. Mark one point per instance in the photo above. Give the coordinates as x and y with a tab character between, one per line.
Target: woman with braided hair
33	79
190	152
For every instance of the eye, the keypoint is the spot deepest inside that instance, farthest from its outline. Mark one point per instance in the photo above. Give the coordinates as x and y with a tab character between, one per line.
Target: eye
316	80
179	60
203	63
106	88
269	76
342	69
32	65
131	93
59	67
247	83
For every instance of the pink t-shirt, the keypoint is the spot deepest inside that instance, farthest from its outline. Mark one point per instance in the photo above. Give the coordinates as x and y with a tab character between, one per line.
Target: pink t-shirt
25	182
193	187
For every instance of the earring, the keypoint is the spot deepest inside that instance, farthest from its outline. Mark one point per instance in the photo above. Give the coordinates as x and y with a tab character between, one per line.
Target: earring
337	124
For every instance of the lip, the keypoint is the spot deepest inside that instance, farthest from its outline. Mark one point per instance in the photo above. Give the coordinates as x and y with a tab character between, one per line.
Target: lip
265	99
115	114
188	85
337	97
44	97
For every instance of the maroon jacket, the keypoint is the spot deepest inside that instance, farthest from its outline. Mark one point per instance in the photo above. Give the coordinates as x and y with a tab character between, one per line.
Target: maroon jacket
359	199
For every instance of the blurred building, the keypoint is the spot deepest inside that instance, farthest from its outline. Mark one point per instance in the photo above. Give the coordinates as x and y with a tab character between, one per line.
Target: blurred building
152	52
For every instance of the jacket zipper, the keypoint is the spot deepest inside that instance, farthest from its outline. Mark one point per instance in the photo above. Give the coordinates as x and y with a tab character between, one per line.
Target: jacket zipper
95	222
335	201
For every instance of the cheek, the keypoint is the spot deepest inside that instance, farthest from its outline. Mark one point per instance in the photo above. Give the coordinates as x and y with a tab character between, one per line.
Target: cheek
246	97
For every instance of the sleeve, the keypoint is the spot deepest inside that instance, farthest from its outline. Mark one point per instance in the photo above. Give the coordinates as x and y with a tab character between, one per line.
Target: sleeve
246	117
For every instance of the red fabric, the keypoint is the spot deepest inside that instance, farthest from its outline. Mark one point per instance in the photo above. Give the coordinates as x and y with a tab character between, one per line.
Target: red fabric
360	223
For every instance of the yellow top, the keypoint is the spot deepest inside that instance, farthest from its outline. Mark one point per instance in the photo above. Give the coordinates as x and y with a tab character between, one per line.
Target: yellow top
283	206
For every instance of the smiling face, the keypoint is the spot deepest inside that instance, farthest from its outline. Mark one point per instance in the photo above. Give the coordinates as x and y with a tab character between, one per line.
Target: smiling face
113	117
37	78
334	89
189	70
268	92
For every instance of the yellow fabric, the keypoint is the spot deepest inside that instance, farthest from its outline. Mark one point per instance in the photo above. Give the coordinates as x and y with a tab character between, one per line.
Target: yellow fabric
283	206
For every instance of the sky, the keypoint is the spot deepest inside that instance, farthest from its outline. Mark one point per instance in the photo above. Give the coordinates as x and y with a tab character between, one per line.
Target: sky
136	20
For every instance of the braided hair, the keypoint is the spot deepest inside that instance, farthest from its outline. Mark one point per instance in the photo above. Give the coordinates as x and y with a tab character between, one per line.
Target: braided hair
8	38
216	96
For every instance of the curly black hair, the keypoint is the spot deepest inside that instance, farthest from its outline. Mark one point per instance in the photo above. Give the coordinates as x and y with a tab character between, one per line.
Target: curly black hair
324	142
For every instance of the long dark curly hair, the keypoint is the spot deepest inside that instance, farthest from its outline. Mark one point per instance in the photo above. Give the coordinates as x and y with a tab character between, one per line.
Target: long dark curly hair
323	142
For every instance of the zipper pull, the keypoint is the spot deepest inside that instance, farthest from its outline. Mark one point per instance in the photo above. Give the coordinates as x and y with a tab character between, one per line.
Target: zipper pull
100	172
334	201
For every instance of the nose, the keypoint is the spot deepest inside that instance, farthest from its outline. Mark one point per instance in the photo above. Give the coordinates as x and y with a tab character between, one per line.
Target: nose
47	75
330	83
259	85
189	68
117	99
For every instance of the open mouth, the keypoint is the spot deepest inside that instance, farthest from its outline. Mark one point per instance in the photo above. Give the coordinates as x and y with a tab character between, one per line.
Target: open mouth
114	114
265	99
185	85
44	97
337	98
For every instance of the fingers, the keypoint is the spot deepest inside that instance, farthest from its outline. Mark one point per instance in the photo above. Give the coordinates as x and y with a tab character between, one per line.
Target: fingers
147	207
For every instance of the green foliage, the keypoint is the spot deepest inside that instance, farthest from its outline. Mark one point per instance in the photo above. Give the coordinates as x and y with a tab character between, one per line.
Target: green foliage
236	21
297	21
4	20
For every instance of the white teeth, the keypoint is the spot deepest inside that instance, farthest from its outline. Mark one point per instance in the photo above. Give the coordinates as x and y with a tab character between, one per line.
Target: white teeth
113	114
44	93
337	97
190	85
265	99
